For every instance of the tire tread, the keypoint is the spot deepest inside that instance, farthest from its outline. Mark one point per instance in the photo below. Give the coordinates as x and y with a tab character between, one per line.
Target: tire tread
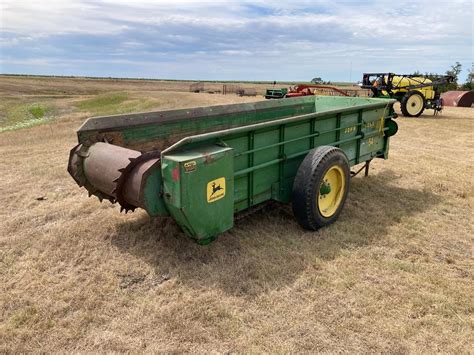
306	178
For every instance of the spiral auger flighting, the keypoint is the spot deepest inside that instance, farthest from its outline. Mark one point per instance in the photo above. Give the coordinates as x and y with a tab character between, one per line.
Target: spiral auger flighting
120	182
111	172
126	178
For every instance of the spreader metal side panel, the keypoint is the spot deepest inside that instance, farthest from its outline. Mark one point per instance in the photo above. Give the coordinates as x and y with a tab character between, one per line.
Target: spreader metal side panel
158	130
267	155
198	190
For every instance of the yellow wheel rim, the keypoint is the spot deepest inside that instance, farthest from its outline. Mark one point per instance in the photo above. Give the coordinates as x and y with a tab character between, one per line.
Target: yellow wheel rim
331	191
414	104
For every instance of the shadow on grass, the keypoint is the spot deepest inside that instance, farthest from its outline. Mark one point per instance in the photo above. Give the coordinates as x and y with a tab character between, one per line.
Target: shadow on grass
268	250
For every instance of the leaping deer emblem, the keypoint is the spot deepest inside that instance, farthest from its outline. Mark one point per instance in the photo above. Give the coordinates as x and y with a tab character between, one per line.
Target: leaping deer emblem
215	188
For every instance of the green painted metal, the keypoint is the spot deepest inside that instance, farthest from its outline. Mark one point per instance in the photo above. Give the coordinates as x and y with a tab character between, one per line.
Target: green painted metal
163	128
276	93
153	203
198	189
255	148
325	188
265	164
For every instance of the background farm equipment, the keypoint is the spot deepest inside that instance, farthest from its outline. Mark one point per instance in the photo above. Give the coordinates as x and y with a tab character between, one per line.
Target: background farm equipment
246	92
415	92
310	89
202	166
196	87
305	90
276	93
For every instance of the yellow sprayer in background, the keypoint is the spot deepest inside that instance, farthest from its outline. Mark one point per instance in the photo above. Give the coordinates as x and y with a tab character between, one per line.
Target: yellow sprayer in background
415	92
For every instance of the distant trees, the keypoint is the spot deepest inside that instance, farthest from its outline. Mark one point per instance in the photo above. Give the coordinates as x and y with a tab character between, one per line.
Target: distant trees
455	70
317	80
469	84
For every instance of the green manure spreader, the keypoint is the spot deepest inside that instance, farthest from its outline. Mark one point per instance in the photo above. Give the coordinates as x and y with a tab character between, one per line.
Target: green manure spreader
202	166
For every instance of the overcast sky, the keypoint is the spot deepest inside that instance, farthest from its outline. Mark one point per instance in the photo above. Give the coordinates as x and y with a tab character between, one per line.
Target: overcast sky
235	40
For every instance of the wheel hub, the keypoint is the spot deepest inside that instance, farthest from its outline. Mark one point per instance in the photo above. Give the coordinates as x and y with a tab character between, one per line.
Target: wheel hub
324	189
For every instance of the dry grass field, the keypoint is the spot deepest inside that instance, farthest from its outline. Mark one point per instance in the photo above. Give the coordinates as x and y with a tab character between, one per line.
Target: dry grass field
394	274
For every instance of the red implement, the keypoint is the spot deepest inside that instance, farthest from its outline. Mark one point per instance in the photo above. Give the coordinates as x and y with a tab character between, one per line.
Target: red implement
305	90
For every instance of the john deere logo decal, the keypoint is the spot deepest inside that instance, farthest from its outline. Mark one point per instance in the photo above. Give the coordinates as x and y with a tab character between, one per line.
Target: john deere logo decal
215	189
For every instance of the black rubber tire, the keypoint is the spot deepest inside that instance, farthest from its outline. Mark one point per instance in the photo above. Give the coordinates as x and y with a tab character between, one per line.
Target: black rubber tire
307	183
403	103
